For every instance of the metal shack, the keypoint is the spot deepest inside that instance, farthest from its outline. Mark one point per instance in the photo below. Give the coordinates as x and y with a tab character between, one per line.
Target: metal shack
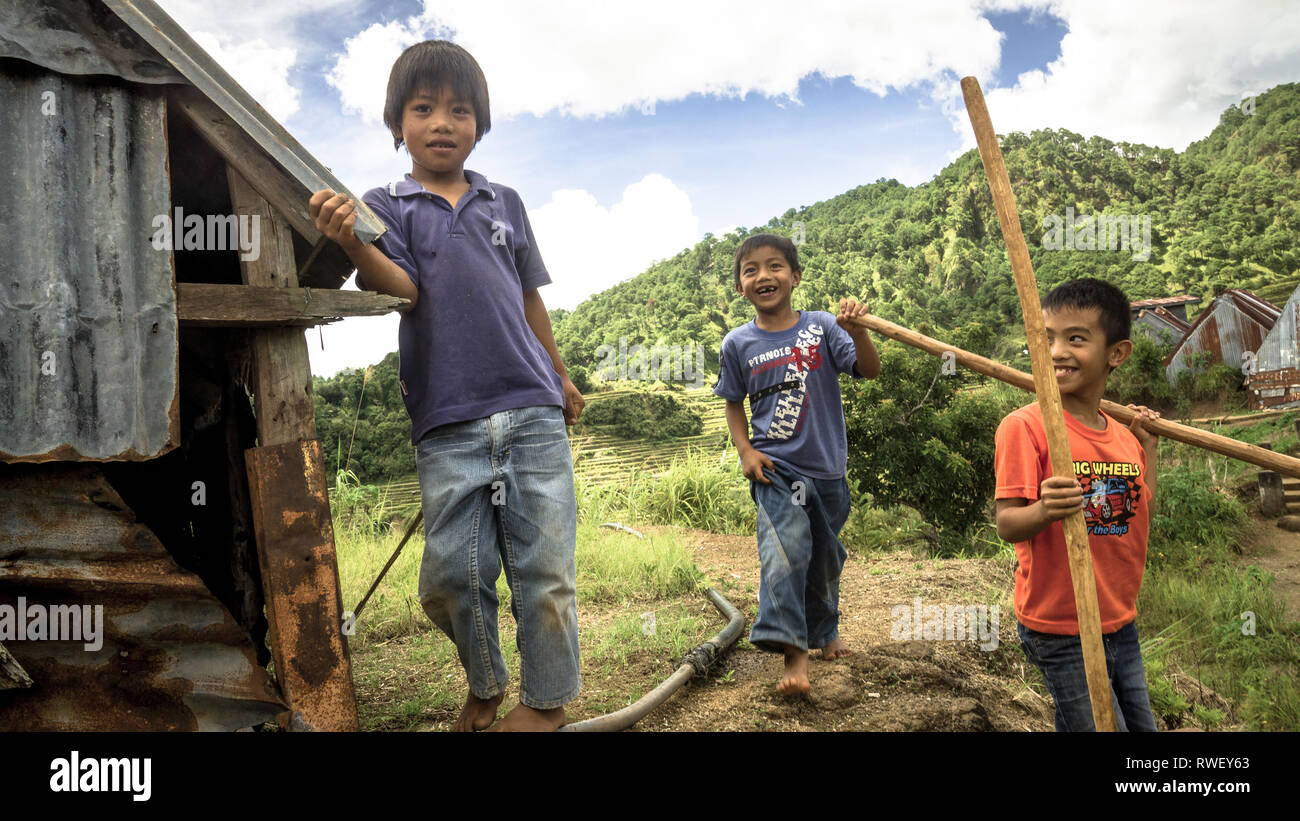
1160	325
1275	382
164	525
1234	324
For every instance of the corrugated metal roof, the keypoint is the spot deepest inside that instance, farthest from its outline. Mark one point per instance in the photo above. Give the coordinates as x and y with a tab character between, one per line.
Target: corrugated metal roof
1164	301
1234	323
79	37
176	46
172	658
87	310
1281	348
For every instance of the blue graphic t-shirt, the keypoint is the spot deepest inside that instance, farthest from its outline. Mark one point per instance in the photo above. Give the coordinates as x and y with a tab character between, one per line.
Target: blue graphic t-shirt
792	380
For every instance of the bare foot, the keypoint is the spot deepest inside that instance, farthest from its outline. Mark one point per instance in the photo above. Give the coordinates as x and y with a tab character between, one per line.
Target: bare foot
524	719
478	714
837	649
795	681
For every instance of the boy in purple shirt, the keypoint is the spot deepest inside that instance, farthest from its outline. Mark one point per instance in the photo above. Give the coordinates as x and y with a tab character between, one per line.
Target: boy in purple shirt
485	387
788	363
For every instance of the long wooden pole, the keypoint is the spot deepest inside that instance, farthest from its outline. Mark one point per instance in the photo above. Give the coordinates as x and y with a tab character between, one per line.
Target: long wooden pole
1049	401
1255	455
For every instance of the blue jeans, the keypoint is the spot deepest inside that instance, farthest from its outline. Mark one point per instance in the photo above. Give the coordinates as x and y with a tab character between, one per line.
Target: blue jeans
1060	659
799	521
499	491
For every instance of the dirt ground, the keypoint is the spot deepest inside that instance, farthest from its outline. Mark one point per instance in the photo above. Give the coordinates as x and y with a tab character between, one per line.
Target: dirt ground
886	684
906	685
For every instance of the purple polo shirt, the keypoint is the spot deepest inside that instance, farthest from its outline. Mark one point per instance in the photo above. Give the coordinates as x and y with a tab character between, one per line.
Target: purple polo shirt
465	351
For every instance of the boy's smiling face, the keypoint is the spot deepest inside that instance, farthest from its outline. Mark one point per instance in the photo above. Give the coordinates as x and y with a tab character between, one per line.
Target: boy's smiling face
439	132
1081	357
766	279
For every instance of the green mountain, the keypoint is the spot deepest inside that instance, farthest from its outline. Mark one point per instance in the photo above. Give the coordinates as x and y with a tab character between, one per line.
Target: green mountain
1223	213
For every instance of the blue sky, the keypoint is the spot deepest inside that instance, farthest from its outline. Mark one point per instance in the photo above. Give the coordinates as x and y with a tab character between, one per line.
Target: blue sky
632	131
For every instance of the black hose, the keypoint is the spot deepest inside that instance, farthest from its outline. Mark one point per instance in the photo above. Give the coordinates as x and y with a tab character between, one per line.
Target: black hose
696	662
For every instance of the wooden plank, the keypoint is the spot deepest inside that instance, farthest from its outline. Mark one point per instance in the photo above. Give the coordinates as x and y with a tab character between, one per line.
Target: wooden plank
291	518
282	390
1049	402
291	513
200	304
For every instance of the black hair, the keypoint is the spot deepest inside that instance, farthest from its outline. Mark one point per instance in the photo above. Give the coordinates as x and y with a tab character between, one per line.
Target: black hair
429	66
1087	292
780	243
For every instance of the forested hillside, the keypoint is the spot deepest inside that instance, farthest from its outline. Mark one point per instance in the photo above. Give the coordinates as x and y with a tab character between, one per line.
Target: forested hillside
1224	213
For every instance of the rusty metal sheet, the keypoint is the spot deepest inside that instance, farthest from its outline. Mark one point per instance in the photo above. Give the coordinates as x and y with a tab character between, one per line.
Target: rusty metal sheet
1234	323
12	674
295	543
1274	389
88	327
170	655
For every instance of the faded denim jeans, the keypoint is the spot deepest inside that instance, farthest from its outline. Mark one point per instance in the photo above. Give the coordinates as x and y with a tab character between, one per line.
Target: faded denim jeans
499	492
799	521
1060	659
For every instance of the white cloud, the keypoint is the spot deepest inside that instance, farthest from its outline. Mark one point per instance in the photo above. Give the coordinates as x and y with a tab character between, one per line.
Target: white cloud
591	59
262	69
1152	73
588	247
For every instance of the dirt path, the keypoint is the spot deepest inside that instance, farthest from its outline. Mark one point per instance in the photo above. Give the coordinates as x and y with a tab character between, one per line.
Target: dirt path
1276	551
886	684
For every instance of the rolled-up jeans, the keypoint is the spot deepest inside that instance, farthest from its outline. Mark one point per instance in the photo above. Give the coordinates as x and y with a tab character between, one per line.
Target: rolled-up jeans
799	550
1060	659
499	492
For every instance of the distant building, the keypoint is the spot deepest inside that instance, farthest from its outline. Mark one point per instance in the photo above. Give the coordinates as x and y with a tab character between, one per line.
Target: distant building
1233	325
1276	379
1176	305
1160	325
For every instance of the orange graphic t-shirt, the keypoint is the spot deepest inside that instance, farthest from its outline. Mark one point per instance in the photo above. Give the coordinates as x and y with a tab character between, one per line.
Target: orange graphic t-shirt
1111	466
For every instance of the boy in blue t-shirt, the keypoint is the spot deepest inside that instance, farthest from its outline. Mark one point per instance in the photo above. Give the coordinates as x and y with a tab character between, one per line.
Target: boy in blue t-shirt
485	387
788	362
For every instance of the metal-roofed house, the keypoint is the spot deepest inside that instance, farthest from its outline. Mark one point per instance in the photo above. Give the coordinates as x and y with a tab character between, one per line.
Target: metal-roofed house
158	457
1275	381
1232	326
1176	305
1160	325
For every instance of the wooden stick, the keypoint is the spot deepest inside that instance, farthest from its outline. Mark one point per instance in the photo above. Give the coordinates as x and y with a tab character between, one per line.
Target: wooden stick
1049	401
1255	455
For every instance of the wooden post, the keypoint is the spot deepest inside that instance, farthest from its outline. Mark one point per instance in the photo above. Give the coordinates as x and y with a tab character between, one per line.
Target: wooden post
1049	401
295	537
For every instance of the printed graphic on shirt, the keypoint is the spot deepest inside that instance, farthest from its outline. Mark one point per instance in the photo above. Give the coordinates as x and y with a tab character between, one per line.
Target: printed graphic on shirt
1110	495
798	361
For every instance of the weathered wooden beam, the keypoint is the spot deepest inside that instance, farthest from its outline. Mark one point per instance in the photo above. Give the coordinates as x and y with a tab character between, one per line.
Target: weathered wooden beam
200	304
282	371
291	517
291	513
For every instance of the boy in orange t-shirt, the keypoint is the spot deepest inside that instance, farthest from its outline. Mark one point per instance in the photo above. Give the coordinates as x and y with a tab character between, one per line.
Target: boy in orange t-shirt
1115	467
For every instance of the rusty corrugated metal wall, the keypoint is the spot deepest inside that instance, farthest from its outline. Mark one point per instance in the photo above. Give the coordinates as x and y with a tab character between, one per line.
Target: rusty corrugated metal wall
171	658
87	309
1276	381
1230	326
